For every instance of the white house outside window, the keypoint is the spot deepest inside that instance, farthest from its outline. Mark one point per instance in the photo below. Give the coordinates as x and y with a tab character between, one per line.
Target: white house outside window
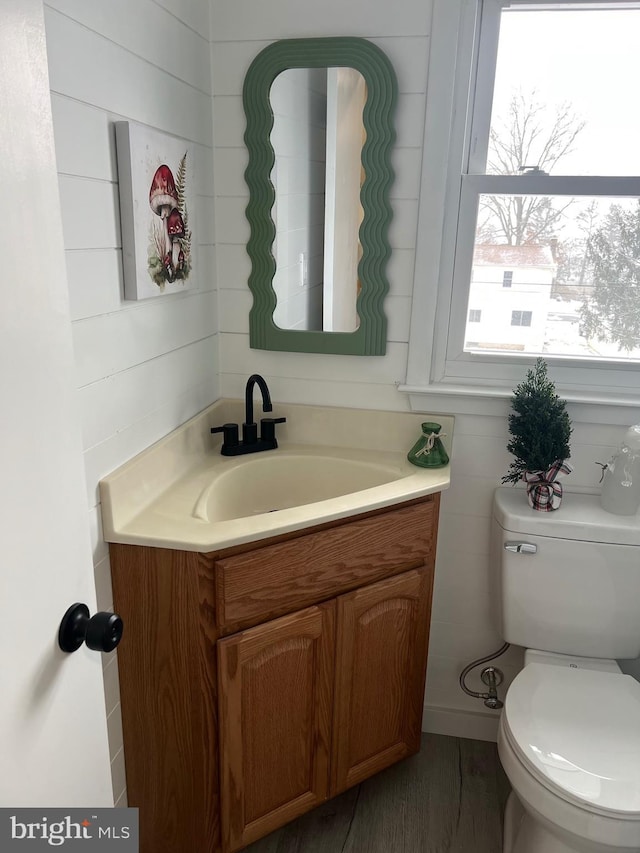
542	216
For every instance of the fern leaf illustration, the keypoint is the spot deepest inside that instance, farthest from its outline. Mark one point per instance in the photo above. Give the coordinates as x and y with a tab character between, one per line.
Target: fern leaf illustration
180	184
186	240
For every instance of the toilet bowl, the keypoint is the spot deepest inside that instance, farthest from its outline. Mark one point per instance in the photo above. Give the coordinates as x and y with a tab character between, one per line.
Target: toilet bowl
569	742
568	586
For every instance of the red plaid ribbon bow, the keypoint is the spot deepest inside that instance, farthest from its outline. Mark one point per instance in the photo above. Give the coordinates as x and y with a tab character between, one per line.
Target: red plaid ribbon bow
543	491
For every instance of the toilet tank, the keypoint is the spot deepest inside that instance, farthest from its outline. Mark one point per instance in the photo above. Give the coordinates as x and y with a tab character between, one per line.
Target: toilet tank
568	581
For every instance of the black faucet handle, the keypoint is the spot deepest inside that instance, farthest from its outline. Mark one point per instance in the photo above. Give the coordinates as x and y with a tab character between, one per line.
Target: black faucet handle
230	434
268	428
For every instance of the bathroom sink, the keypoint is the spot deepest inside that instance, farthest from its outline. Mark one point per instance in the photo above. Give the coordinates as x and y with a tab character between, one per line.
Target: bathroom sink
330	464
283	479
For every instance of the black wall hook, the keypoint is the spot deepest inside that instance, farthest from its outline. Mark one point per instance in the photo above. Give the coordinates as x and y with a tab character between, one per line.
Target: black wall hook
102	632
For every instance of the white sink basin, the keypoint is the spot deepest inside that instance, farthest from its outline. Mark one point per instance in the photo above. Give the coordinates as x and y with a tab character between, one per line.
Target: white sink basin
281	479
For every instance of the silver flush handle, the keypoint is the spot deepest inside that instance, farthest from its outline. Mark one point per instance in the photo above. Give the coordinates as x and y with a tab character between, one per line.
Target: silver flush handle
520	547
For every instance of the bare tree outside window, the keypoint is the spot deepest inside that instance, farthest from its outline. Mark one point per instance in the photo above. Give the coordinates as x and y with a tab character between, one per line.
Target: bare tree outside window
525	138
573	252
596	247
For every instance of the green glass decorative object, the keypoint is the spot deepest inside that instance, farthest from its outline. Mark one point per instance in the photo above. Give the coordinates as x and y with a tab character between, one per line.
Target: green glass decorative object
428	451
370	337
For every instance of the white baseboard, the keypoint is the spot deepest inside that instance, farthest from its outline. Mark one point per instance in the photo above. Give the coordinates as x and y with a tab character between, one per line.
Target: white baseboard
456	723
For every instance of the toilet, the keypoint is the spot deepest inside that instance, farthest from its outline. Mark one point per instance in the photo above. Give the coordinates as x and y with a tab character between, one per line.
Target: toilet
568	590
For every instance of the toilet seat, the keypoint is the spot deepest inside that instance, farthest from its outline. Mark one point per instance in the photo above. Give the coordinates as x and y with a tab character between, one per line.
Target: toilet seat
577	731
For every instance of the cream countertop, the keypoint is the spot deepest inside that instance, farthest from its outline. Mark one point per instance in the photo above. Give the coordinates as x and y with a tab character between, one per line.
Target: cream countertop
155	499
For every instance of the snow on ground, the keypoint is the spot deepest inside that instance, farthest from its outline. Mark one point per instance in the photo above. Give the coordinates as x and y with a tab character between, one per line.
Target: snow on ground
563	335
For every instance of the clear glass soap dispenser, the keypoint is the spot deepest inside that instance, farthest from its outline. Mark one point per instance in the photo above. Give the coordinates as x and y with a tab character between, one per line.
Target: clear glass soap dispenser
620	493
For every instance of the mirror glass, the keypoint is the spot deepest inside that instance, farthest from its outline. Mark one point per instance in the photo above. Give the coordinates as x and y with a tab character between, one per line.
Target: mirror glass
317	137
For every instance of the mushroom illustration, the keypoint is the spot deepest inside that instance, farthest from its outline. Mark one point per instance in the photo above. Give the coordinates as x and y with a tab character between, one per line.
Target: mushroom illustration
175	230
163	198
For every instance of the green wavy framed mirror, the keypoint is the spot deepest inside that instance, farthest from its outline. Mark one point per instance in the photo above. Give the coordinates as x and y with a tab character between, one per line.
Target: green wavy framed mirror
319	132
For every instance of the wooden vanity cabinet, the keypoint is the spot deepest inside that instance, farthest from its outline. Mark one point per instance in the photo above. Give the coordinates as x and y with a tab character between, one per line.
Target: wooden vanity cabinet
258	682
307	711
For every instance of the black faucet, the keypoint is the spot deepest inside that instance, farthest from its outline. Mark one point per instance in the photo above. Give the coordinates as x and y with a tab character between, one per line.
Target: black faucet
249	427
251	443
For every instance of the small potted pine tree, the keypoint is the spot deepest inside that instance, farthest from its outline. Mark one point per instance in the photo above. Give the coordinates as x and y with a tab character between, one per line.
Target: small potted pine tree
540	430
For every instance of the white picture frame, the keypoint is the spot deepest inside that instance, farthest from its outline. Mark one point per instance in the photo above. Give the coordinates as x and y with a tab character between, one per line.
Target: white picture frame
157	211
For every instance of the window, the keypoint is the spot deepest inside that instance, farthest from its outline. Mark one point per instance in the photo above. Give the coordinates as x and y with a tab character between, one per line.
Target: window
474	315
543	183
521	318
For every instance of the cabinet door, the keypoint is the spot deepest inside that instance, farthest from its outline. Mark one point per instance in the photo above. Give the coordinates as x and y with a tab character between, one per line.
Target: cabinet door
381	659
276	693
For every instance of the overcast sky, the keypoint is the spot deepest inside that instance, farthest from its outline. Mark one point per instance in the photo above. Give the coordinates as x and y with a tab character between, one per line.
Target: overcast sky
589	58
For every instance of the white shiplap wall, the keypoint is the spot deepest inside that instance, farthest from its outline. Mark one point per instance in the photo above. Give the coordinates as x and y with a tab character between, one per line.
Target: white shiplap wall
142	368
463	626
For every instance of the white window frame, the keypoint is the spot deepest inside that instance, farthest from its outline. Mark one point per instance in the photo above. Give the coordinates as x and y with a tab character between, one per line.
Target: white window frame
437	363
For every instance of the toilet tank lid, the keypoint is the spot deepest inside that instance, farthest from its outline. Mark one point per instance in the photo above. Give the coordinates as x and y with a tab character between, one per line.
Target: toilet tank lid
580	518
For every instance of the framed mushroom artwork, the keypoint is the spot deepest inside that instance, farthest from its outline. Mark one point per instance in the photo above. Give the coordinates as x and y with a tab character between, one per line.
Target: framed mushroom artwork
155	173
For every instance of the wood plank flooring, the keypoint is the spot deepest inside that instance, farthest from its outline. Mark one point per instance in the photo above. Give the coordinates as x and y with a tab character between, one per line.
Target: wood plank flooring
448	799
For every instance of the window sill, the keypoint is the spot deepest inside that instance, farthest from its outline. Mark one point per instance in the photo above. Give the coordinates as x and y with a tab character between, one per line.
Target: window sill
487	400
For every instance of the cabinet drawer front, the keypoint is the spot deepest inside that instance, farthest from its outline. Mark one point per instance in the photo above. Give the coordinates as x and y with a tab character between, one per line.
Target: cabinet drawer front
287	576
